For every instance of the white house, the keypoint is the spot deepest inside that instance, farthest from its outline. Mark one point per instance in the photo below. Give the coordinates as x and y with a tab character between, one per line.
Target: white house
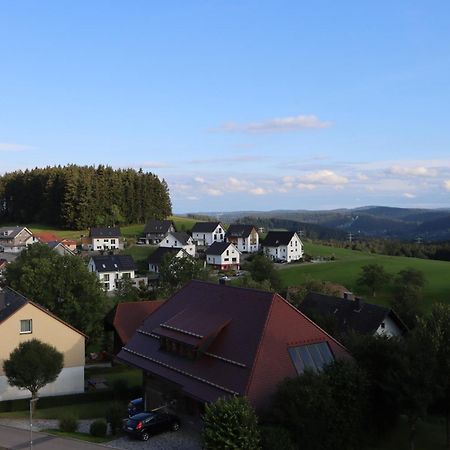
104	239
111	269
60	248
223	255
206	233
179	239
156	230
157	257
15	239
244	237
283	246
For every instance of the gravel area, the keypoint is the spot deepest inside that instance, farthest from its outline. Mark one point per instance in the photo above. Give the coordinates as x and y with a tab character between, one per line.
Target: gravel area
184	439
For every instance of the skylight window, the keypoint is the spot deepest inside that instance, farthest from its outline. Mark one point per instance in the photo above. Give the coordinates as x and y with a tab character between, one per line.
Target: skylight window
313	357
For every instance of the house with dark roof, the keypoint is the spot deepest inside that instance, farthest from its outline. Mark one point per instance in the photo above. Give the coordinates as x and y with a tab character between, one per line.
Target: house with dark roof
15	239
352	314
125	318
283	246
210	340
179	239
106	238
157	257
112	269
156	230
206	233
60	248
223	256
21	320
244	237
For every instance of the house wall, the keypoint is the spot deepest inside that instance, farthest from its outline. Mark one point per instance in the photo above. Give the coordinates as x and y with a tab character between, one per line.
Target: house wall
291	252
225	261
51	331
171	242
390	328
250	244
206	239
106	243
18	243
108	279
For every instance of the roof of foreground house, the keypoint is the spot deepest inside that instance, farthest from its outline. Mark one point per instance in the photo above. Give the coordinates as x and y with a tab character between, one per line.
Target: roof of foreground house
113	263
158	226
243	336
108	232
217	248
238	230
350	315
276	238
205	227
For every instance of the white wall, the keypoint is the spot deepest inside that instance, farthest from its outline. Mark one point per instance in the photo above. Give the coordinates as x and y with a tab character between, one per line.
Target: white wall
171	242
390	328
225	259
105	243
69	381
291	252
209	238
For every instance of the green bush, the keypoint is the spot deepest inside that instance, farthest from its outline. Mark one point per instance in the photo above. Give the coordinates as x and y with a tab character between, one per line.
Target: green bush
114	416
276	438
98	428
68	423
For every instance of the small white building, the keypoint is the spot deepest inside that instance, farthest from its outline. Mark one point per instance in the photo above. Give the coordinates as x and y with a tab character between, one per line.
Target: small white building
283	246
244	237
111	269
15	239
179	239
206	233
223	256
104	239
160	254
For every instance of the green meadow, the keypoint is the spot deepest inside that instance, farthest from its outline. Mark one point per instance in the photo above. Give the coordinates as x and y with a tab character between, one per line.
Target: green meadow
346	267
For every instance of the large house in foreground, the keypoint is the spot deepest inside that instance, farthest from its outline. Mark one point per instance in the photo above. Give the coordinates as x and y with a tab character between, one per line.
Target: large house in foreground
112	269
244	237
107	238
223	256
22	320
210	340
283	246
353	315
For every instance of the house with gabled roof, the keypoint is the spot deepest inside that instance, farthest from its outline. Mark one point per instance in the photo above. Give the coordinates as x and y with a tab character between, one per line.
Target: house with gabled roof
206	233
157	257
209	341
179	239
21	320
125	318
156	230
112	269
60	248
353	315
244	237
223	256
15	239
103	238
283	246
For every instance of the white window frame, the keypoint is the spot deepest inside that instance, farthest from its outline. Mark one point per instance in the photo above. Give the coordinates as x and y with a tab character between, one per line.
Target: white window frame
30	322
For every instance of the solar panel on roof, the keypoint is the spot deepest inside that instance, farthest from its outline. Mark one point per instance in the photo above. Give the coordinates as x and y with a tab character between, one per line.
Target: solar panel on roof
313	356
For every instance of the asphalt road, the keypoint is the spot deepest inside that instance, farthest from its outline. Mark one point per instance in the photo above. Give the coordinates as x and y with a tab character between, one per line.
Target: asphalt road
15	439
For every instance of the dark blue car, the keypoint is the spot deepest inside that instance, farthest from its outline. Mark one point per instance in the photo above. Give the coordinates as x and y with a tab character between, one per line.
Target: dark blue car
143	425
136	406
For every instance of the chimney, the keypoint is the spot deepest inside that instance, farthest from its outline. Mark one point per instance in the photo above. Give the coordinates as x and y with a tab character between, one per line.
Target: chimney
348	296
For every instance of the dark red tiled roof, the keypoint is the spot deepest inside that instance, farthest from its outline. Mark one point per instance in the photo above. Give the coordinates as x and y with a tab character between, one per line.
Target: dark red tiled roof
46	237
129	316
249	355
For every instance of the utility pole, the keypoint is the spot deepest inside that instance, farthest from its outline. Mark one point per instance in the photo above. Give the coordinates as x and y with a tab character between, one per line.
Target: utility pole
419	240
350	237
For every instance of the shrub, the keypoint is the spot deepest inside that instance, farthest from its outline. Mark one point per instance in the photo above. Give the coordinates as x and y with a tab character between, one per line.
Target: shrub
276	438
114	416
68	423
98	428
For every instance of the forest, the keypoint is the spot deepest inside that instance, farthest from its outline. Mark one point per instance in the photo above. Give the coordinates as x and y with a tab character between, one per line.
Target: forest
76	197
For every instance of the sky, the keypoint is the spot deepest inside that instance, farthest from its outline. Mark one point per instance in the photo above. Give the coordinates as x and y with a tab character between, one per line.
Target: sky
238	105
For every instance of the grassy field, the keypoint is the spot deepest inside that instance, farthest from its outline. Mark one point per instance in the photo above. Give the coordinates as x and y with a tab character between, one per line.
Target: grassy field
346	267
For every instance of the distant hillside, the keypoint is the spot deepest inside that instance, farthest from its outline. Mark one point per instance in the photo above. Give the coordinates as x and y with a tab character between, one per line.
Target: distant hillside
369	221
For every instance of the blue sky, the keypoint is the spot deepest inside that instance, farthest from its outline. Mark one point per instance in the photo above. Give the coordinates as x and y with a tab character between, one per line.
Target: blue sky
238	104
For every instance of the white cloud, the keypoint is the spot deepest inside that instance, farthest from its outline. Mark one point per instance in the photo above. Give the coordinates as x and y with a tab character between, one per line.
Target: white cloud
9	147
200	180
214	192
305	186
192	197
327	177
447	185
276	125
409	195
258	191
417	171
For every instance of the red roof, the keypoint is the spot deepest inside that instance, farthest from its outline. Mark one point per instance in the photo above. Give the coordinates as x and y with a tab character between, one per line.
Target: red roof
129	316
249	354
45	237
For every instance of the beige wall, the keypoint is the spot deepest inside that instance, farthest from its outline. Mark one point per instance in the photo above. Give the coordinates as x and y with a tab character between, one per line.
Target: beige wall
46	329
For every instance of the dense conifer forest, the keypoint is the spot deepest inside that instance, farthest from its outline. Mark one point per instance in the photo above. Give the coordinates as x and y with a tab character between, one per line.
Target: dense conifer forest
77	197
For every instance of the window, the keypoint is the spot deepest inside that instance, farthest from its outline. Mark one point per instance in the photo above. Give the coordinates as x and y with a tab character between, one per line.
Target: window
26	326
126	275
313	357
105	286
113	241
105	240
106	277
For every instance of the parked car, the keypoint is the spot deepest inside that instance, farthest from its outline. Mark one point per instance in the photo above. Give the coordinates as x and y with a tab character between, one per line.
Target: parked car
135	406
143	425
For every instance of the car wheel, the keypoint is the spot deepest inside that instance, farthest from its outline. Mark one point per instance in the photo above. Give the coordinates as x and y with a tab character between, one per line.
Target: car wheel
175	426
145	436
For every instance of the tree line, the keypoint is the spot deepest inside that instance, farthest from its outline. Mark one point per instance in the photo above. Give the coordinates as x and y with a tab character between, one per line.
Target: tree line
77	197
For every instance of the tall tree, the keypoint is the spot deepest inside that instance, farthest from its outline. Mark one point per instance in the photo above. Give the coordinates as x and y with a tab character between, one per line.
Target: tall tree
373	276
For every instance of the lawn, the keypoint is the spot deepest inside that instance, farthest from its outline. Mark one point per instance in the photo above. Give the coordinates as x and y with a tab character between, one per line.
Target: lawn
346	267
140	252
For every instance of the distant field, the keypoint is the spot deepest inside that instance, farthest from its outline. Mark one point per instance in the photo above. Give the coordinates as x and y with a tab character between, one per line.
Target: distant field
347	267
